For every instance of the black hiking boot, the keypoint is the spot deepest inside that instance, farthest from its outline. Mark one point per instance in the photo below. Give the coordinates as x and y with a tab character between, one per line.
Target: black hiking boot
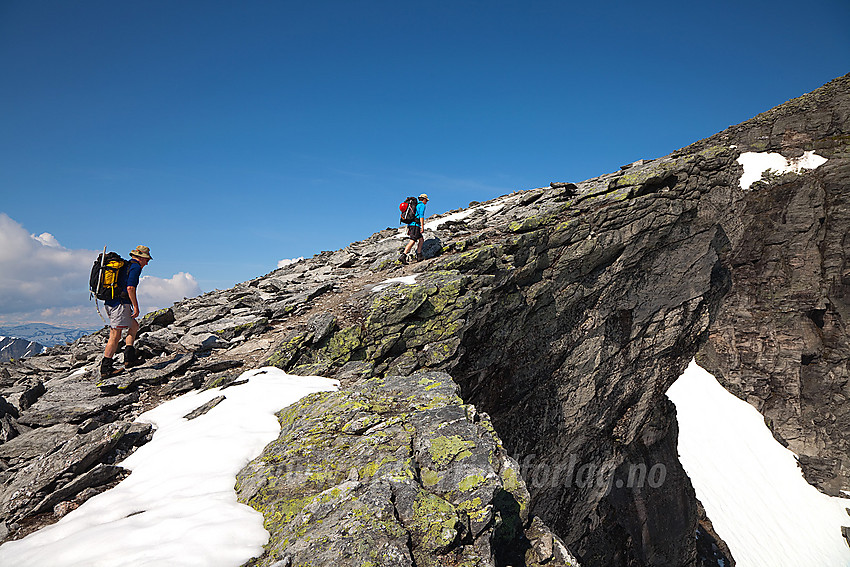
131	357
403	258
419	257
106	368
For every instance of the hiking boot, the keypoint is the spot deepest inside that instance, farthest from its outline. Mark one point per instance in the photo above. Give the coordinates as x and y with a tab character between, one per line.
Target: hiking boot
403	258
419	257
106	368
131	357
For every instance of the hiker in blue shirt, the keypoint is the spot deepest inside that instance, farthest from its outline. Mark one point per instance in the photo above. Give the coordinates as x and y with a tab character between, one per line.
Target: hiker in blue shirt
414	232
122	312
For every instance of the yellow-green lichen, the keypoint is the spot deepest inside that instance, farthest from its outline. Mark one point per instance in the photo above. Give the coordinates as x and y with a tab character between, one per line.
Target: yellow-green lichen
429	477
153	315
441	351
475	258
434	522
530	223
471	482
370	469
287	351
474	509
444	450
510	479
343	343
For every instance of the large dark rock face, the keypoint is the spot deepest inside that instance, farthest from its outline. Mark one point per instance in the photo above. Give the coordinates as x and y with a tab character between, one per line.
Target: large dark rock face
538	337
781	341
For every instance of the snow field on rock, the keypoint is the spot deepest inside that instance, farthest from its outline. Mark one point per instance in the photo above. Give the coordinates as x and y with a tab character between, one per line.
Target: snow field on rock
752	489
178	506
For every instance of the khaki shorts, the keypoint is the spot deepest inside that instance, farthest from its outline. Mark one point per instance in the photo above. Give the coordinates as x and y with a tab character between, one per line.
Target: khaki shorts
120	316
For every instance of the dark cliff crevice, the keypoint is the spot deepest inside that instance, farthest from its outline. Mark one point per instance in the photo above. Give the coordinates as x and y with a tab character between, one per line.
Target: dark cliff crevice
551	394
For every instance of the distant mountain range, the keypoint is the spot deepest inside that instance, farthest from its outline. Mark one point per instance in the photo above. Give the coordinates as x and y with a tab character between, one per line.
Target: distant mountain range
17	348
44	334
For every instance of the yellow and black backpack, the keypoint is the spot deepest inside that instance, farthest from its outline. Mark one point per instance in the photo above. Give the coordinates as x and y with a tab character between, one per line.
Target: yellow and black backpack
106	274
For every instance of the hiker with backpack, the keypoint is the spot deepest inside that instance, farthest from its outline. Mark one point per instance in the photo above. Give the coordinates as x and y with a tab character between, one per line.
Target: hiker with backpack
122	309
414	216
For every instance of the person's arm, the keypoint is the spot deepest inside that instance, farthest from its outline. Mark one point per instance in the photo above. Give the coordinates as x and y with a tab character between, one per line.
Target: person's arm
131	292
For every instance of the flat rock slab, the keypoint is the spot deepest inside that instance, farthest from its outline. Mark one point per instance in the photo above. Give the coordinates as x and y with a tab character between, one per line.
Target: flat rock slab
152	374
202	342
71	399
198	412
37	442
98	476
22	495
48	363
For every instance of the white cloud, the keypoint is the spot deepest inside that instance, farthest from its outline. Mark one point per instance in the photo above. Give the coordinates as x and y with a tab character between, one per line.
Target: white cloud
155	293
37	273
41	280
283	263
48	240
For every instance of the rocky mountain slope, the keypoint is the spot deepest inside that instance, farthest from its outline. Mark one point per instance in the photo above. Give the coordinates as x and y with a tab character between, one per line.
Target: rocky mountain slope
11	347
502	402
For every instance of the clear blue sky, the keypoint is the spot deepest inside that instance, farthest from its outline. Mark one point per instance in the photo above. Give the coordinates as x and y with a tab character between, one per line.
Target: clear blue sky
229	135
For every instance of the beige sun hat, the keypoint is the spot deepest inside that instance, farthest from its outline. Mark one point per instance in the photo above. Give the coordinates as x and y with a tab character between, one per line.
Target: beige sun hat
423	196
141	252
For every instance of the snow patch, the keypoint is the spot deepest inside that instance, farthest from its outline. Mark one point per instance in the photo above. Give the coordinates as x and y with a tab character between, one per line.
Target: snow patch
406	280
178	506
751	486
288	261
78	372
757	163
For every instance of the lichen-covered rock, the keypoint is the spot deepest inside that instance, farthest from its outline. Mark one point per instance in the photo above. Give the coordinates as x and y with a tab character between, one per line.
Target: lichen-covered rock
397	472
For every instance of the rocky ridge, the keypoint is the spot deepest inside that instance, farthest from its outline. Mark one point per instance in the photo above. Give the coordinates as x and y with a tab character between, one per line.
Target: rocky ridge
548	324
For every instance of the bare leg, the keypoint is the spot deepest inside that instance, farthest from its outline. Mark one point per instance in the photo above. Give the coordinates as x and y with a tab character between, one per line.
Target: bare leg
132	332
112	343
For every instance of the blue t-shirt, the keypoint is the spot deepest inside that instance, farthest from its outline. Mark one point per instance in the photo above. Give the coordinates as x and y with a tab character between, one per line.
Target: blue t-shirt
127	278
420	214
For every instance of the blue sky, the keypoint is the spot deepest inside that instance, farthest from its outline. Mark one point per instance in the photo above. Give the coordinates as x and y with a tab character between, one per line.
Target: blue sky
230	135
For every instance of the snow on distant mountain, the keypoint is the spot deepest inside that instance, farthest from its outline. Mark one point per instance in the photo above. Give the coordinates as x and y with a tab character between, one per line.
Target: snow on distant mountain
44	334
18	348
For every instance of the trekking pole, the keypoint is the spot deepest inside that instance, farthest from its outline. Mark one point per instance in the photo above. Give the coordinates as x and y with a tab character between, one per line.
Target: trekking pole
100	274
96	306
99	283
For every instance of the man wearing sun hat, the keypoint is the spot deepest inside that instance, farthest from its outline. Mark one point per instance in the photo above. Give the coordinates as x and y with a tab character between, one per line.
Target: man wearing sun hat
414	232
122	312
